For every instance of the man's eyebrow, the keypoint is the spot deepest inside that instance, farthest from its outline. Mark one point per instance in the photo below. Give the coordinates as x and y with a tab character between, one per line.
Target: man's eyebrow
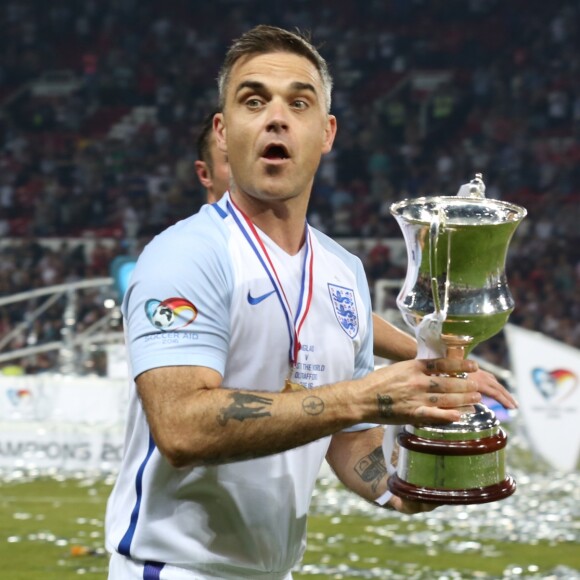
261	87
299	86
254	85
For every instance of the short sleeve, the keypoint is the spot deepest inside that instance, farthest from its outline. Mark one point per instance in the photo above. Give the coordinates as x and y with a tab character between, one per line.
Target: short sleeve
176	308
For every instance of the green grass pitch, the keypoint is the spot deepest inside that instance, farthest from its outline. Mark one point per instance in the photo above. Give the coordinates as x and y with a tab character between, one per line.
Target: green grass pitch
53	528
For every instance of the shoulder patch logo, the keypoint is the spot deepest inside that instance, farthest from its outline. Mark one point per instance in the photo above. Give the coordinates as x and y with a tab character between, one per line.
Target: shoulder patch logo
171	313
344	306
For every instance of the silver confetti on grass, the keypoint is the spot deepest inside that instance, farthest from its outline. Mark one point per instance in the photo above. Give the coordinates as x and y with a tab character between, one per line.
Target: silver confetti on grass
545	508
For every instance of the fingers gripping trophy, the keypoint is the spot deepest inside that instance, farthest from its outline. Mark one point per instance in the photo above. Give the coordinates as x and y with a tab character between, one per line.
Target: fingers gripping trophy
455	296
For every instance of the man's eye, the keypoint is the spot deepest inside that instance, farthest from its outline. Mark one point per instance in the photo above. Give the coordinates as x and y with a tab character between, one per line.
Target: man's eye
300	104
253	103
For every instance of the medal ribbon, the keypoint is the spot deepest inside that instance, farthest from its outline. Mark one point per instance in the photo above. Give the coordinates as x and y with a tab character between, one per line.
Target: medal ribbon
294	324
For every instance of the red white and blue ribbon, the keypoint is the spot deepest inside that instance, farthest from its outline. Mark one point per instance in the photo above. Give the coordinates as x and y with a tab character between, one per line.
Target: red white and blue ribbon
295	321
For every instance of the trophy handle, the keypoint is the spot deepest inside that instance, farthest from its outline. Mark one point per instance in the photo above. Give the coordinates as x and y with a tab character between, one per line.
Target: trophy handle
437	225
433	238
455	345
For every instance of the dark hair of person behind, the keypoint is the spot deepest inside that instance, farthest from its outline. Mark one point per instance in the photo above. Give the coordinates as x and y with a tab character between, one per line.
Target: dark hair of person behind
203	139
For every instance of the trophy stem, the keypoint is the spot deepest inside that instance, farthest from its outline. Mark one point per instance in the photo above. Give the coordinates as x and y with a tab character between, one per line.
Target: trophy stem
457	349
457	346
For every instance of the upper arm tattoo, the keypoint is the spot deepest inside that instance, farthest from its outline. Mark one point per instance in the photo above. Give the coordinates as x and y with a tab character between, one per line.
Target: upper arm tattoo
371	468
245	406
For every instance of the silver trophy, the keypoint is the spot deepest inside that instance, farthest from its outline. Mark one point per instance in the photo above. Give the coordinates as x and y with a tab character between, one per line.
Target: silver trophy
456	281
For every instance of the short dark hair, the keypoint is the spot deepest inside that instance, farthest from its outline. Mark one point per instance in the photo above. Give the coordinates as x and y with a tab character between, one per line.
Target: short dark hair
203	139
265	39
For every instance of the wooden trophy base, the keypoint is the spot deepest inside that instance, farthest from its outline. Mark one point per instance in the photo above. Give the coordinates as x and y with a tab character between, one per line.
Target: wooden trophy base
457	463
476	495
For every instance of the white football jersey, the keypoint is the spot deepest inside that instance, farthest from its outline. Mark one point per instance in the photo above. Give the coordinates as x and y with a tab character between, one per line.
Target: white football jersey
213	291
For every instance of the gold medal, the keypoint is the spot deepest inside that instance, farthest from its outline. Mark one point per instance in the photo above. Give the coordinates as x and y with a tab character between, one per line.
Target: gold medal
290	386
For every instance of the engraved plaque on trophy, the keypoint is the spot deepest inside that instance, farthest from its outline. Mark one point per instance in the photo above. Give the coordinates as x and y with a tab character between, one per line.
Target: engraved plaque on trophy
456	249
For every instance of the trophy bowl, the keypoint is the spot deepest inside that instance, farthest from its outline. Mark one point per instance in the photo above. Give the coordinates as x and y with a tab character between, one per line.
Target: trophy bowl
456	249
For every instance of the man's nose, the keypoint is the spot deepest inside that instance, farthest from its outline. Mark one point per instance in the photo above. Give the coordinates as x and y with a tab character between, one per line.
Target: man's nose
277	117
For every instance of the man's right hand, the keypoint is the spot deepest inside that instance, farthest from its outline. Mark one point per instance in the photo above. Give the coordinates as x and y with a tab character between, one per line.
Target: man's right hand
418	392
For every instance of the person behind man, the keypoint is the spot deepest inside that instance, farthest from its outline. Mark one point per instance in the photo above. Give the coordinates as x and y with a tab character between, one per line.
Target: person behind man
250	343
211	166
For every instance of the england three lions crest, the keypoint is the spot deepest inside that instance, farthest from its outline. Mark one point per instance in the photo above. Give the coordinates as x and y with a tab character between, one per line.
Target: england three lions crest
344	306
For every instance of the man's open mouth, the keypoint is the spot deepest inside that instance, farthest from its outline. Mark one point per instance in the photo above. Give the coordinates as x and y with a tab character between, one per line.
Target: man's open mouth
275	152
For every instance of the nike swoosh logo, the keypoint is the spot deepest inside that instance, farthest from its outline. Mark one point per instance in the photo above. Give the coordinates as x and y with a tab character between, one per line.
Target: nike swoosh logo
253	300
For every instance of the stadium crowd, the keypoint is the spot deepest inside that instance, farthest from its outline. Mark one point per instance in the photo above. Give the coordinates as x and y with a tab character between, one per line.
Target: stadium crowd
427	93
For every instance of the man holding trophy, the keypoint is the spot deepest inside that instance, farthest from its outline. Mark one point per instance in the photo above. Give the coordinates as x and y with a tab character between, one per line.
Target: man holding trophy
250	340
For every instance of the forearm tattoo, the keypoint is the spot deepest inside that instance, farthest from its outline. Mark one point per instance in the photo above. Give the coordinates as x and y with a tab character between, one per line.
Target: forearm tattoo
244	406
385	405
371	468
313	405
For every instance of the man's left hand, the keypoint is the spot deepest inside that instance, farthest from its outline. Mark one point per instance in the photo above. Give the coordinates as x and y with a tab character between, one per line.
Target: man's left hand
406	506
488	385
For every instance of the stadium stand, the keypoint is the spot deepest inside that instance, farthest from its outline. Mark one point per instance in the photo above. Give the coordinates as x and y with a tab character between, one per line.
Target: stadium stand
99	103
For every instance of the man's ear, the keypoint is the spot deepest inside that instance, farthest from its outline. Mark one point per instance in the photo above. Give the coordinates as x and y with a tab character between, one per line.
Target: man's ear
329	134
219	130
203	174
